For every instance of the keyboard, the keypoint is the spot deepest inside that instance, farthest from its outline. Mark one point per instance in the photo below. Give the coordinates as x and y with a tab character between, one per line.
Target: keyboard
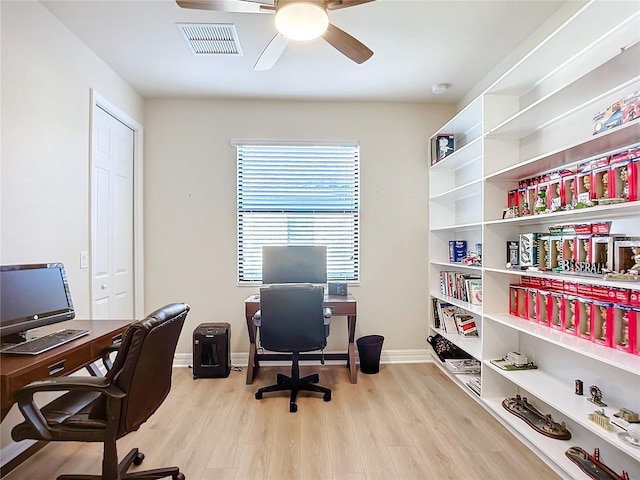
45	342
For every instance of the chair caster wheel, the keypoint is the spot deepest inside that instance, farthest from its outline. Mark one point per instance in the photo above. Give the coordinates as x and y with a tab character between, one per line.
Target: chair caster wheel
293	408
258	395
139	458
327	397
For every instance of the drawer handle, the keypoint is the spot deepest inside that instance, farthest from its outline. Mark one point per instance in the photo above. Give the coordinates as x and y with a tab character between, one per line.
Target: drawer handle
56	368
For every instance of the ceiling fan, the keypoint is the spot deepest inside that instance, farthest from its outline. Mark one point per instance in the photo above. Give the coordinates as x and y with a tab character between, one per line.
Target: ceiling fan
295	20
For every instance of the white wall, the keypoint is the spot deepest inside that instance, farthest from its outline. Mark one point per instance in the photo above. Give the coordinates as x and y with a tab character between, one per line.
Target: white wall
47	75
190	207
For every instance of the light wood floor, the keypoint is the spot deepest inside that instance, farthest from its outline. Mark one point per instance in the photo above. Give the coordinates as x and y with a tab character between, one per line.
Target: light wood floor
406	422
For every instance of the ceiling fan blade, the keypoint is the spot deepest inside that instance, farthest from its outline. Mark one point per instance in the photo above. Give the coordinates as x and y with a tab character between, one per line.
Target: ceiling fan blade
234	6
338	4
272	52
346	44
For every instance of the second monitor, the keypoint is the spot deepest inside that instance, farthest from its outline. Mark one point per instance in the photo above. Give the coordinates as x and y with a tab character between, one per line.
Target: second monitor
294	264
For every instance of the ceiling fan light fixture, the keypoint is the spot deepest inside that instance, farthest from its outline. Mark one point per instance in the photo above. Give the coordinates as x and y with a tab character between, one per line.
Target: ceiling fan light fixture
301	20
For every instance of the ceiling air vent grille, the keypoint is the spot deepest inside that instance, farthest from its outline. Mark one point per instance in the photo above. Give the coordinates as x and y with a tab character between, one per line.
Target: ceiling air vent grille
211	38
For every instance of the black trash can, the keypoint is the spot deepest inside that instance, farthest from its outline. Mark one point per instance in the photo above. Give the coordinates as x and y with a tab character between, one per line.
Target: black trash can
369	349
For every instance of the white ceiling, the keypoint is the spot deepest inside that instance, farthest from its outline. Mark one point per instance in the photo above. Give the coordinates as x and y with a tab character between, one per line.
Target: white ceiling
416	43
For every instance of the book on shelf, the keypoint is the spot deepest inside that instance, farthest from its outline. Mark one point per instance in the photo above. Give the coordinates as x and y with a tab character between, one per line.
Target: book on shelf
436	314
462	286
447	319
504	364
474	290
463	365
466	324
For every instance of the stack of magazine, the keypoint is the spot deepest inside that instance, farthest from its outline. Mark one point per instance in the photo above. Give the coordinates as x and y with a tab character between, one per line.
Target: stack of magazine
463	365
475	385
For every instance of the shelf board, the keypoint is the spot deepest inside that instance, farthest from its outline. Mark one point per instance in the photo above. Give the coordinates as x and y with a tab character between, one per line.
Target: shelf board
599	212
584	41
458	265
590	147
615	358
464	121
477	309
554	449
559	395
471	189
460	227
568	278
462	157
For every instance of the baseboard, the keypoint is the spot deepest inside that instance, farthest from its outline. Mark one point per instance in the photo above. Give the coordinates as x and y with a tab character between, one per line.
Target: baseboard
387	356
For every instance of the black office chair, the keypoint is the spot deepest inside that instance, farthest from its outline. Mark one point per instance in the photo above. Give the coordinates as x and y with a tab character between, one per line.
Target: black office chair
103	409
292	319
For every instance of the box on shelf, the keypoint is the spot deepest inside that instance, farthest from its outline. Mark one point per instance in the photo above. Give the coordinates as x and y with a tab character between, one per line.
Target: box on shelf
518	300
621	339
627	256
583	318
532	304
457	250
618	113
602	323
570	311
528	249
444	145
544	252
542	306
513	253
556	311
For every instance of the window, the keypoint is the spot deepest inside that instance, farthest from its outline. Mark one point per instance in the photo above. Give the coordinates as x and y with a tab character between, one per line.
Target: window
298	194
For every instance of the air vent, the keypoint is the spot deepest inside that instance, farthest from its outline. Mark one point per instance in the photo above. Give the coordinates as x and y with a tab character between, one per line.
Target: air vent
211	38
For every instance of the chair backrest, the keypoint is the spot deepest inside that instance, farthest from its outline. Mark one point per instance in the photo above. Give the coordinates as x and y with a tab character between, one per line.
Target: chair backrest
142	367
292	318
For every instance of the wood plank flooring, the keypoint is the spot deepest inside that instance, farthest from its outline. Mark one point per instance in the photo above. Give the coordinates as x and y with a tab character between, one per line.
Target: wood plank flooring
407	422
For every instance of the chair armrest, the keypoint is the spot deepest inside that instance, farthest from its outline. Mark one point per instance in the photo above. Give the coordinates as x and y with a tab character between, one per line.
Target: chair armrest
100	384
257	318
106	359
327	315
31	411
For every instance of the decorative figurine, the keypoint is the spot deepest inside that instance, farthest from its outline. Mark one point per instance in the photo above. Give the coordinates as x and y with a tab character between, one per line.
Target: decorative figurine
635	268
624	179
596	396
578	387
631	436
602	310
544	424
601	419
541	201
591	464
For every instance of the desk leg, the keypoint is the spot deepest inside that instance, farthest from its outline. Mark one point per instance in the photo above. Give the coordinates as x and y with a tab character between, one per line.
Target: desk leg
353	372
251	363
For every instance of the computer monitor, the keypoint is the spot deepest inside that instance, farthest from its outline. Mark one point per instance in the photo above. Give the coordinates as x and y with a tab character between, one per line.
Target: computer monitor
32	296
294	264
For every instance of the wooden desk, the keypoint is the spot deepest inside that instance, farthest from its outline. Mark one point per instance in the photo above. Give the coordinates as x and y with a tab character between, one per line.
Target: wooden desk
341	306
18	370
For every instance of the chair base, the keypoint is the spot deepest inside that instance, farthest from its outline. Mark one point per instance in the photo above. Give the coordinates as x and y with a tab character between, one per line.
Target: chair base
295	385
134	457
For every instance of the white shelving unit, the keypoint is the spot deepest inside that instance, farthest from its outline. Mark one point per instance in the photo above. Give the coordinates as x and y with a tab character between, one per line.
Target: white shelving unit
538	117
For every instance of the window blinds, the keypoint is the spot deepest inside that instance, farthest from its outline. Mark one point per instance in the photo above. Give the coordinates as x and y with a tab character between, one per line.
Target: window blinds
298	194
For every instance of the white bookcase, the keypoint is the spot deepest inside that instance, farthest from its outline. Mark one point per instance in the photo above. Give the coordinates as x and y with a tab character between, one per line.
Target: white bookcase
538	117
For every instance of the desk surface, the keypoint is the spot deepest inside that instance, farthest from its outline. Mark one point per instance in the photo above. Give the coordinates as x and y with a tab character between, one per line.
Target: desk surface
19	370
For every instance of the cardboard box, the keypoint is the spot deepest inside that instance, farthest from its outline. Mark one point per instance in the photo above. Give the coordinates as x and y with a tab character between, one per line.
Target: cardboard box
528	249
457	250
570	310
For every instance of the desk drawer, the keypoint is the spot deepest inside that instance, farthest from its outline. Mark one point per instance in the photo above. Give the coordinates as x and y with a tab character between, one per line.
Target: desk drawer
54	367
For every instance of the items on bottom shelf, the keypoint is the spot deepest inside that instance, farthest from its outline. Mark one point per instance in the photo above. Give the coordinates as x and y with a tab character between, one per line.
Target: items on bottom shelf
445	349
592	466
463	365
475	384
544	424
